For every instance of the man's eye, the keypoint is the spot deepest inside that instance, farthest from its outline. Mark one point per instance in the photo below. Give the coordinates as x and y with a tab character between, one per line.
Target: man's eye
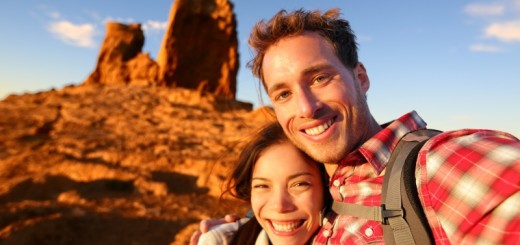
282	95
320	79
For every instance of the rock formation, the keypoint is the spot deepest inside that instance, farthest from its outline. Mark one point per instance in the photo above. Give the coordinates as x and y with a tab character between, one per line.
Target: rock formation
118	160
118	164
199	49
120	59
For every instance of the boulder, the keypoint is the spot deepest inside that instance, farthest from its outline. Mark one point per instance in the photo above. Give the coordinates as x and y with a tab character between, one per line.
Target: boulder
120	60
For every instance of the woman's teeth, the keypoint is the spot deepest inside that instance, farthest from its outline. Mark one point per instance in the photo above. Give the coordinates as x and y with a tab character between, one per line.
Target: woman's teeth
286	227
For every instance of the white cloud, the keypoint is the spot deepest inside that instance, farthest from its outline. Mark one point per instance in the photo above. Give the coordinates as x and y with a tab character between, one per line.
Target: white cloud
80	35
484	48
504	31
484	9
153	25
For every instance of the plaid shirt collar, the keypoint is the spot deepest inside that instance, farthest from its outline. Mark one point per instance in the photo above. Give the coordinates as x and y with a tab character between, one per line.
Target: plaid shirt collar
377	150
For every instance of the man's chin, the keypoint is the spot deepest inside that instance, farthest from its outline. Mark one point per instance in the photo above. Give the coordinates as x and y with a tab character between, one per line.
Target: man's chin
324	154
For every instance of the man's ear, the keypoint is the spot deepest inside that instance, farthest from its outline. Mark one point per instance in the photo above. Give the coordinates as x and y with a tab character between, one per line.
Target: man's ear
360	73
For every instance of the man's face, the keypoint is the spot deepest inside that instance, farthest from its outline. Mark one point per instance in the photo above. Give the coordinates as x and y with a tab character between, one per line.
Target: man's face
318	101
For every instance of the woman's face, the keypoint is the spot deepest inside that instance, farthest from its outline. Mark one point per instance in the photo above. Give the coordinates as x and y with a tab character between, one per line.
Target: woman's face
287	194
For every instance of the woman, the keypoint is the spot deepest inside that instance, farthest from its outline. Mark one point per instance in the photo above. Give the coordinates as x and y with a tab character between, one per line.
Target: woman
287	191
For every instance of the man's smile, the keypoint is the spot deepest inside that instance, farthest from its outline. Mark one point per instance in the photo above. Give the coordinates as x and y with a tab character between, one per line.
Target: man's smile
320	128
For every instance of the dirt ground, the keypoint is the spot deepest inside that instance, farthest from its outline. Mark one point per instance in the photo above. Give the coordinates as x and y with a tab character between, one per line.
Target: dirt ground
61	211
115	165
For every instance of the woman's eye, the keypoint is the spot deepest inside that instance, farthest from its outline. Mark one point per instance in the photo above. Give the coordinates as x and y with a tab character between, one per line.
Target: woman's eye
259	186
301	184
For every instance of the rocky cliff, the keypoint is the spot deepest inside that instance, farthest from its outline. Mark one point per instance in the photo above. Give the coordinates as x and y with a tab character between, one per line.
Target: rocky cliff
136	154
116	164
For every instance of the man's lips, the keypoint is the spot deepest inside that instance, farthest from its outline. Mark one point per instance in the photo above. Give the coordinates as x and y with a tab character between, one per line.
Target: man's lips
320	128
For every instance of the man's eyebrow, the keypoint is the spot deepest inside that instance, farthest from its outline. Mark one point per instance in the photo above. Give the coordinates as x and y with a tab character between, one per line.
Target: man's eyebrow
275	87
315	68
306	72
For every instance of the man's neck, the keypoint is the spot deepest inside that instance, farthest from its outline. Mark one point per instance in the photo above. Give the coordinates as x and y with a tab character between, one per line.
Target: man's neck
331	168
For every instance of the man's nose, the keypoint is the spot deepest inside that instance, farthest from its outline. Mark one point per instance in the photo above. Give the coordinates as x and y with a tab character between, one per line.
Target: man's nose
308	104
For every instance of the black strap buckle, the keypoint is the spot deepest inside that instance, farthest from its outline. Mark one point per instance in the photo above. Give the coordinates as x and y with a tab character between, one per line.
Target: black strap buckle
386	213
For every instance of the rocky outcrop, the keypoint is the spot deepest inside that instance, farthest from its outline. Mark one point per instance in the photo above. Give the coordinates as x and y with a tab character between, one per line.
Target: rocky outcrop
116	164
120	60
199	49
117	161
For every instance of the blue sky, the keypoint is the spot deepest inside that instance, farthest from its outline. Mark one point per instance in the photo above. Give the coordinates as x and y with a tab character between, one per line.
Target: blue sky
455	62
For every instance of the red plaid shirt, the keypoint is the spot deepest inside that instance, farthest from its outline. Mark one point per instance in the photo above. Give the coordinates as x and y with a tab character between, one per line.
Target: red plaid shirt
468	182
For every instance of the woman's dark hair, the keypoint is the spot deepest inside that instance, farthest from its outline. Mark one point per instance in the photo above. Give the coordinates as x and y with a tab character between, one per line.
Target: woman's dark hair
239	183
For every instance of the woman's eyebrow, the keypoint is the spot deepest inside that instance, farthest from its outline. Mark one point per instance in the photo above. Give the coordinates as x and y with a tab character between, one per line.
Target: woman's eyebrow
294	176
259	178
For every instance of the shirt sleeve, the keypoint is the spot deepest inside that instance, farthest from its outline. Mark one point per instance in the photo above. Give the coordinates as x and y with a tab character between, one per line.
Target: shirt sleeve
221	234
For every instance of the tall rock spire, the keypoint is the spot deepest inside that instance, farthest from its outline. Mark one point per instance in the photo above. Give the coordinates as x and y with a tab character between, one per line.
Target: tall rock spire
200	47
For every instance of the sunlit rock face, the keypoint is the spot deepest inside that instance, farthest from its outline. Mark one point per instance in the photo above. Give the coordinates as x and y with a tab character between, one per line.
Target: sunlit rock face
137	153
120	59
117	163
199	49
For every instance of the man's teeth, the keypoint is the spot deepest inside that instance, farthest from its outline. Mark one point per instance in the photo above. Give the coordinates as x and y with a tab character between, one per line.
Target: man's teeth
285	227
319	129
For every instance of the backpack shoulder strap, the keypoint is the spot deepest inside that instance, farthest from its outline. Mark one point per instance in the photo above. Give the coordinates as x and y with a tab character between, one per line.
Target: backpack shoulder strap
401	212
404	223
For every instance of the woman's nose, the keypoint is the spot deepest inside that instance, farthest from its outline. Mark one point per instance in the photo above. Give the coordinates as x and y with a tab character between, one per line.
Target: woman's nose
282	202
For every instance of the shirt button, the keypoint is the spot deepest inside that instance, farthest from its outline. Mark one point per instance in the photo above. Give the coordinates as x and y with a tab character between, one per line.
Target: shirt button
369	232
336	183
326	233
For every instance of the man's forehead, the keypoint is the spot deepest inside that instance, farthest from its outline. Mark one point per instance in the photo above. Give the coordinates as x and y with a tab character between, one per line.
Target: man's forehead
290	52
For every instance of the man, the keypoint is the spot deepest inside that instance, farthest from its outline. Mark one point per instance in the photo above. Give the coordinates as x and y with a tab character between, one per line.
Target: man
468	180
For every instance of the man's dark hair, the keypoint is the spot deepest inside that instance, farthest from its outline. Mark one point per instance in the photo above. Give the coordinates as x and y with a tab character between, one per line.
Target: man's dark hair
285	24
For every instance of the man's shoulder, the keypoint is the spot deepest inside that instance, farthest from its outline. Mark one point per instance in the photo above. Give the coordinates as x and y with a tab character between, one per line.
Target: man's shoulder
465	175
473	135
470	148
475	162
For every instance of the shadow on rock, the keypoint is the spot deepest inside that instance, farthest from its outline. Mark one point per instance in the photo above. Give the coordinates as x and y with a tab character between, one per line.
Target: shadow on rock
179	183
53	185
94	228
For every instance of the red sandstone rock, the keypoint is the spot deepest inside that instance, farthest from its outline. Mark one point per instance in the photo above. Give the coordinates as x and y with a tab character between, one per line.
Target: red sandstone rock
120	59
116	164
200	47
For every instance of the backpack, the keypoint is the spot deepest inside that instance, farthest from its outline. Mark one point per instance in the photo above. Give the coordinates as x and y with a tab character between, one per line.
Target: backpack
401	212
